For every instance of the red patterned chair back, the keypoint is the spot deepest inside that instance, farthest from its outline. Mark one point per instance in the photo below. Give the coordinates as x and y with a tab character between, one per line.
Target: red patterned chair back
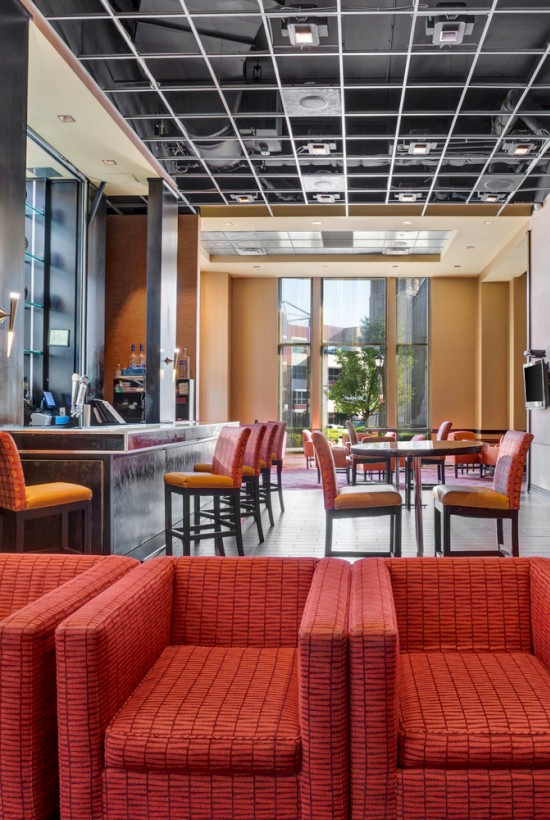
12	480
307	444
462	435
279	445
325	459
510	464
266	448
352	432
444	430
252	449
229	453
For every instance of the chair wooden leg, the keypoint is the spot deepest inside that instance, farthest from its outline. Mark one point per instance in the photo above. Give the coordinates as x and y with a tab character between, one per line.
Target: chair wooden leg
218	540
280	485
197	513
515	533
87	528
446	532
408	484
19	532
65	531
168	519
392	531
267	492
437	529
328	534
500	533
456	470
186	525
397	534
319	476
443	472
236	504
255	487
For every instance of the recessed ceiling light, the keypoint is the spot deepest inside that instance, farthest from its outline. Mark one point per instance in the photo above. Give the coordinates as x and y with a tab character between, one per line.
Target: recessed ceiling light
316	223
303	33
407	222
313	102
243	199
488	222
65	118
110	162
519	149
395	266
256	267
490	197
228	224
396	251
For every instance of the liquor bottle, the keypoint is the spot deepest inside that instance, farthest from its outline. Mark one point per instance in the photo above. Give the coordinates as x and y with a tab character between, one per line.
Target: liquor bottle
141	357
133	360
118	372
184	365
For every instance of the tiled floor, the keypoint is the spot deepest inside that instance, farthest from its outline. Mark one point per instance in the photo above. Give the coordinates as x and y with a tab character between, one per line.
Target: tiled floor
300	530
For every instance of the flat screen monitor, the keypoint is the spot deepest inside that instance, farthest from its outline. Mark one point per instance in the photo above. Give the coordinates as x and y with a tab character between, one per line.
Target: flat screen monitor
49	401
535	385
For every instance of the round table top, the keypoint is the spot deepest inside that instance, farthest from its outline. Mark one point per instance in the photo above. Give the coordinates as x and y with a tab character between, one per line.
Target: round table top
425	449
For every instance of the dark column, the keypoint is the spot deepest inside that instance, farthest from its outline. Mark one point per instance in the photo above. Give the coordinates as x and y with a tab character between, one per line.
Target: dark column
162	249
13	116
95	293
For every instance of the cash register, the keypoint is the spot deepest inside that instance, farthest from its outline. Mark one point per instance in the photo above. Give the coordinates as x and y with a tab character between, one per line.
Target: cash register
49	413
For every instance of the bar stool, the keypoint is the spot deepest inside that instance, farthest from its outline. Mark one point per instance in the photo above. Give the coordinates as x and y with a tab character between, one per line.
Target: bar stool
224	481
266	460
279	447
20	502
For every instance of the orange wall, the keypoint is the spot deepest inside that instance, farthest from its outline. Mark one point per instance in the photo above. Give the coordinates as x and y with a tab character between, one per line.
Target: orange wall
254	359
493	356
517	303
215	343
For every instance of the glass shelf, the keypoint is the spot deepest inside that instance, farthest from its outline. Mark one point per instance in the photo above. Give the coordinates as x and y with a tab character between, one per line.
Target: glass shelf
32	352
29	304
32	256
33	210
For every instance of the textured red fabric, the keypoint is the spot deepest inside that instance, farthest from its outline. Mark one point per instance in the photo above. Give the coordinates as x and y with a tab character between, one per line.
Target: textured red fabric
236	602
211	709
266	448
130	795
12	480
57	586
103	652
473	794
107	649
323	687
510	463
229	453
464	604
373	660
467	710
540	608
253	446
325	462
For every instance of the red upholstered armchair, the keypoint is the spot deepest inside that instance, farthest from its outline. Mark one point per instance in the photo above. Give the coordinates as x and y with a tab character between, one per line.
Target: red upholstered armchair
36	593
208	688
450	689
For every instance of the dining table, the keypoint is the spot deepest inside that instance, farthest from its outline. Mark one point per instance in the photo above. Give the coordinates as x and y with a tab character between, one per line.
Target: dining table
416	451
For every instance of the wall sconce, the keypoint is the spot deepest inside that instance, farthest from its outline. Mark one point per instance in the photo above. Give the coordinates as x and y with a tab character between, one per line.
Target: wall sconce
14	301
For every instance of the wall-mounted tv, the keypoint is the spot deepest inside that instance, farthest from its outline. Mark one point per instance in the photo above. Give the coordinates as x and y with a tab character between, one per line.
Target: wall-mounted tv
535	385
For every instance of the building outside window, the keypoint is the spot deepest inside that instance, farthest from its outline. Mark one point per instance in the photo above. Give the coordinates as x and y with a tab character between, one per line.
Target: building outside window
294	357
412	353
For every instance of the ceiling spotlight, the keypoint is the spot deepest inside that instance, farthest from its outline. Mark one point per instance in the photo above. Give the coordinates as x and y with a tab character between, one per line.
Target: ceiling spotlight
519	149
488	222
316	223
489	197
109	162
244	199
449	29
422	148
251	251
396	251
301	32
264	149
407	222
65	118
321	149
326	199
407	196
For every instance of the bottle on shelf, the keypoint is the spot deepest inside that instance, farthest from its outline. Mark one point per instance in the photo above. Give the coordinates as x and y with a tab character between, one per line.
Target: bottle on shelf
133	360
141	357
118	372
184	369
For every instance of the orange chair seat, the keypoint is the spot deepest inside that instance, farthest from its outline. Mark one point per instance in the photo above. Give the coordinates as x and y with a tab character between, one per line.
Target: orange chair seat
374	495
198	480
263	464
202	468
54	494
473	710
211	709
471	497
248	470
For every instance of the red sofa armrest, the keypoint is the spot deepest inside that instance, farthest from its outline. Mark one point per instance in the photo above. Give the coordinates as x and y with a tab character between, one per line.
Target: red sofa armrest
28	737
374	656
323	693
103	652
539	577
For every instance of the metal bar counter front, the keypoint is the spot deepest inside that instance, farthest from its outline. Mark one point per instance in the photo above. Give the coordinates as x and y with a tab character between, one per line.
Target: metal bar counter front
124	466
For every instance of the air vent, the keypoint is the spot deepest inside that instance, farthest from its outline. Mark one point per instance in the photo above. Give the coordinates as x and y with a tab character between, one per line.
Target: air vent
498	183
251	251
324	182
312	101
449	29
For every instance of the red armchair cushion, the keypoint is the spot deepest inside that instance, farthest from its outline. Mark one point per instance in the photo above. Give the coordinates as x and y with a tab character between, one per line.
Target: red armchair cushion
474	710
211	709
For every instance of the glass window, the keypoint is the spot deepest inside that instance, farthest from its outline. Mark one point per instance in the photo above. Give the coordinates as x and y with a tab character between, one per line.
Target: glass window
412	353
294	357
354	311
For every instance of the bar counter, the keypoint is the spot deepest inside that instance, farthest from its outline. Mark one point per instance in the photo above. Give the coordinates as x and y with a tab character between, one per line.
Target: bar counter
124	467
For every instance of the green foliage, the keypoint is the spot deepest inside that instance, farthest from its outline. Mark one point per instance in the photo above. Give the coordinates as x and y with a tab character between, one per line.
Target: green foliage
334	434
405	389
357	387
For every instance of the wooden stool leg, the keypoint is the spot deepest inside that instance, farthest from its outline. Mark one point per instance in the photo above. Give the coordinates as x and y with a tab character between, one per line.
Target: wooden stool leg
19	531
392	531
218	540
328	534
500	533
87	527
186	525
255	487
397	545
446	531
197	514
236	504
65	531
515	533
437	529
280	485
168	519
266	480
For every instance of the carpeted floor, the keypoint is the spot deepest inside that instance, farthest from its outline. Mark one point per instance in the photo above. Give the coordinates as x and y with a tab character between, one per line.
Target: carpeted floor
297	477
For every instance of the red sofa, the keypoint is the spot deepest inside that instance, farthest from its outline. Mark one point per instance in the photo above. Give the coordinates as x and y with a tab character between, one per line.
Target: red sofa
208	688
36	593
450	689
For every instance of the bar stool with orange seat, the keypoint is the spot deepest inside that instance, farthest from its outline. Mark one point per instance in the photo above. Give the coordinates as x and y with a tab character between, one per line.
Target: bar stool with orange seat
355	502
266	460
224	481
500	502
19	502
279	448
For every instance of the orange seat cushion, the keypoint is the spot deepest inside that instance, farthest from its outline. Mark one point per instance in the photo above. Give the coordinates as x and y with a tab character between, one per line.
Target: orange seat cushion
58	492
198	480
473	710
471	497
373	495
214	710
202	468
248	470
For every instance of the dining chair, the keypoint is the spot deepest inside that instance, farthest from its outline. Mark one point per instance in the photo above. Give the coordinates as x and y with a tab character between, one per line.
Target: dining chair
369	463
309	450
464	461
223	481
20	502
439	461
279	448
501	502
354	502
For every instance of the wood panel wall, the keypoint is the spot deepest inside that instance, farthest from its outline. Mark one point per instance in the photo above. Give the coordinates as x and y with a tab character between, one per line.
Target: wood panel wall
187	326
